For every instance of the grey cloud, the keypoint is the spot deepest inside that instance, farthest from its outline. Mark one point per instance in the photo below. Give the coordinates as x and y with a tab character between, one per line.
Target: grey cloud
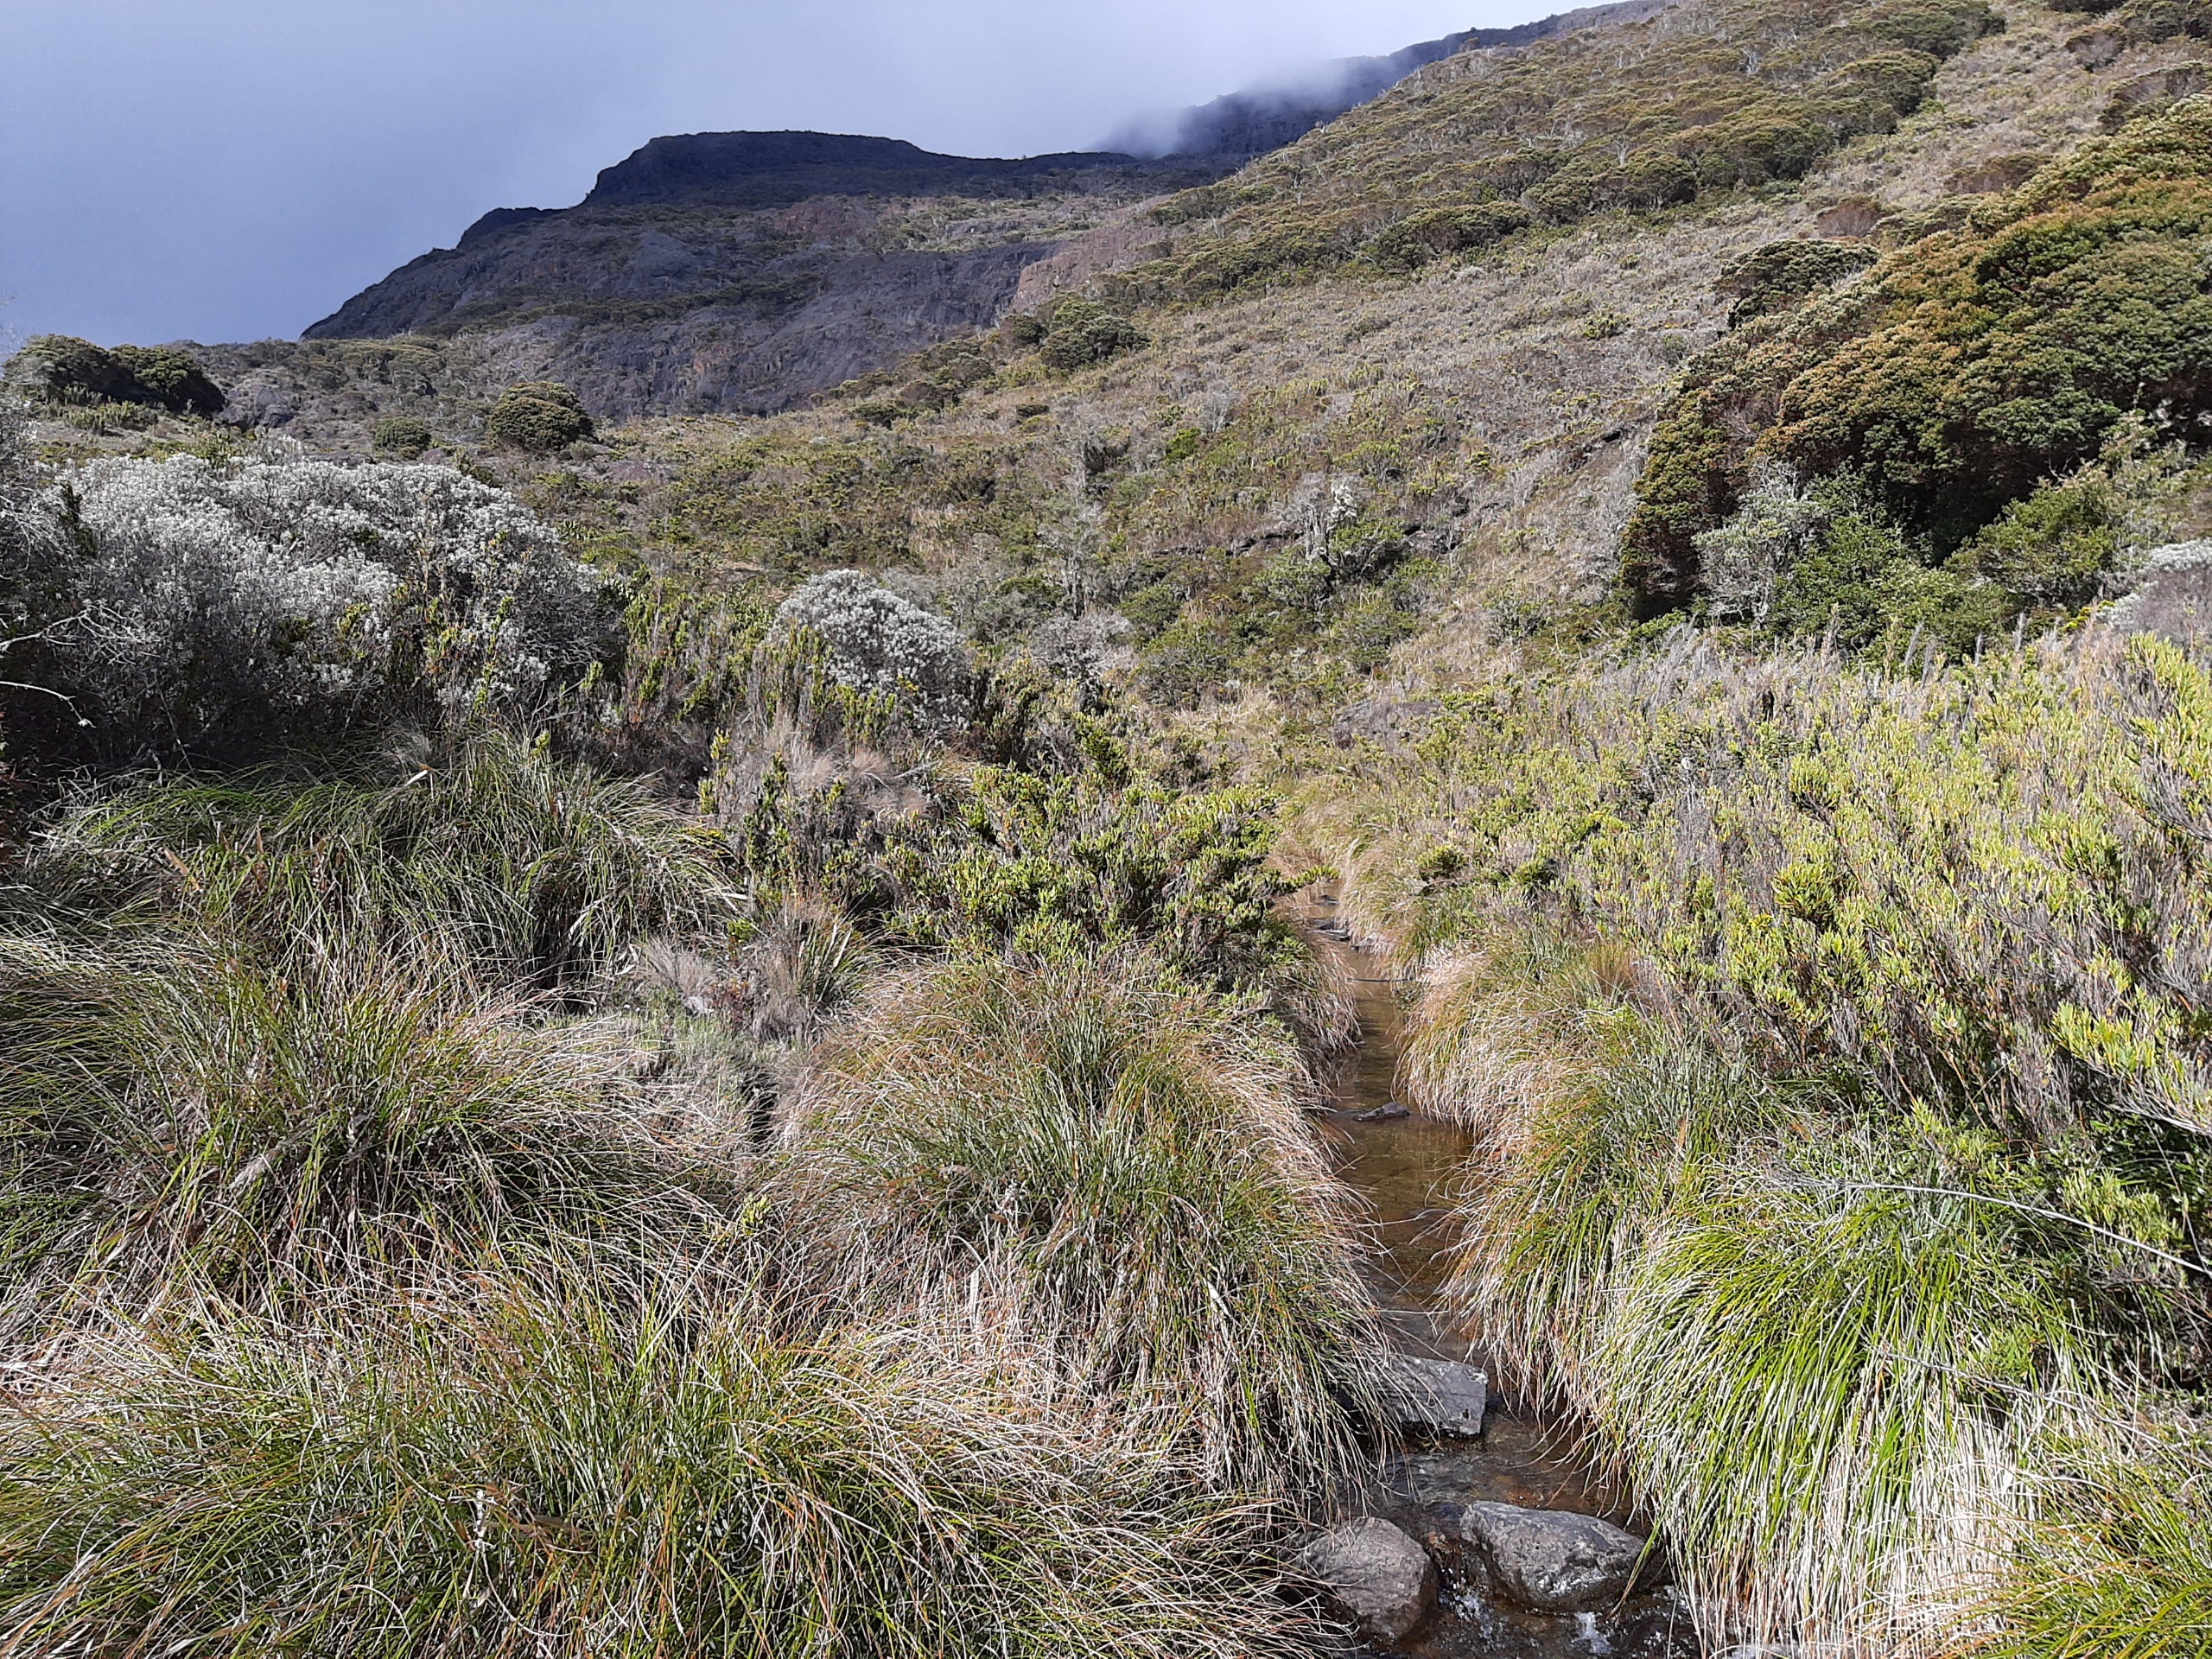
233	168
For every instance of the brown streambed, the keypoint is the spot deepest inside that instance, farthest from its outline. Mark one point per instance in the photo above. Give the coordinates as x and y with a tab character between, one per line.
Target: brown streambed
1408	1170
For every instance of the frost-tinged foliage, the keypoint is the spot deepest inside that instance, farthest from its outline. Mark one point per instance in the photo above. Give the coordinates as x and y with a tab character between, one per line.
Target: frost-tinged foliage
202	606
880	643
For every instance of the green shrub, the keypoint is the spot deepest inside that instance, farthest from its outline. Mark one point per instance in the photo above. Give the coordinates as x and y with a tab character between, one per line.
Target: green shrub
1085	332
64	369
1419	237
1116	1167
1966	367
1936	879
170	378
539	415
503	1465
402	435
1774	277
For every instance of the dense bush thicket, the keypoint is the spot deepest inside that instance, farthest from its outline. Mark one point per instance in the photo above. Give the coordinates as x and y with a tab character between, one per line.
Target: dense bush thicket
402	435
1083	332
1964	369
223	608
63	369
1698	98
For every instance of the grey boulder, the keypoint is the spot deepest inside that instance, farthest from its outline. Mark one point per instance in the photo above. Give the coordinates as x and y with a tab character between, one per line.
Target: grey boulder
1553	1560
1435	1396
1377	1570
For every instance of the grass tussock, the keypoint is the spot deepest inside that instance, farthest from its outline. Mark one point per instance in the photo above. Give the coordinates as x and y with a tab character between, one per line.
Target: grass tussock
1507	1026
520	1469
195	1114
1827	1344
2118	1565
1115	1164
1828	1393
485	853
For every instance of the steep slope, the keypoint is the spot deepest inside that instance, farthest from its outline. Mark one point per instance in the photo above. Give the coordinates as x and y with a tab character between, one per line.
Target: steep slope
1249	124
745	271
1496	400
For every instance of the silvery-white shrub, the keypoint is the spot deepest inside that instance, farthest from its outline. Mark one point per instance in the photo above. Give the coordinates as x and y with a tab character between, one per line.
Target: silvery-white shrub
2166	590
1322	504
189	601
881	643
1774	525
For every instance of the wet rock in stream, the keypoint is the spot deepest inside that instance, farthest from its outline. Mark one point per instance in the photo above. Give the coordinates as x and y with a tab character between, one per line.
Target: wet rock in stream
1553	1560
1377	1571
1435	1396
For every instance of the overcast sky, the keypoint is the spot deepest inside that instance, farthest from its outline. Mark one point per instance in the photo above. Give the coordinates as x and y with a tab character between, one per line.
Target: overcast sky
234	170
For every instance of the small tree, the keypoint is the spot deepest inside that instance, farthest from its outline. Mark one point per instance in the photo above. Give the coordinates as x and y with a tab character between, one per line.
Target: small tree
1085	332
402	435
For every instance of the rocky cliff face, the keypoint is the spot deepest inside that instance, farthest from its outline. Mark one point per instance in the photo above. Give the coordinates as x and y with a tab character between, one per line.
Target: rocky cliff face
743	272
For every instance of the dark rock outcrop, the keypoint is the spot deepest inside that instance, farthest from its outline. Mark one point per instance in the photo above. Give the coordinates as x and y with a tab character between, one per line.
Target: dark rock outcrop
778	170
744	272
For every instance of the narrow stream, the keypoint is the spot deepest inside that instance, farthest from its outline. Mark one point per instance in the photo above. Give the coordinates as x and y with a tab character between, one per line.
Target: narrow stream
1408	1168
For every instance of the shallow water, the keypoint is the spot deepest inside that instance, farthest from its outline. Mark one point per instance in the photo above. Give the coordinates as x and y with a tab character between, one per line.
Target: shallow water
1408	1170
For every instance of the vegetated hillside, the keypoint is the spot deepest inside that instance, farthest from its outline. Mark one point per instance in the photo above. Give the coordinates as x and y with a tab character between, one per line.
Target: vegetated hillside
833	861
1248	124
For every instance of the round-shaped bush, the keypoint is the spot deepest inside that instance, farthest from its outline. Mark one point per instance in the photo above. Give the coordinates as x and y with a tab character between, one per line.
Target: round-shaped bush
881	643
169	378
1085	332
402	435
539	415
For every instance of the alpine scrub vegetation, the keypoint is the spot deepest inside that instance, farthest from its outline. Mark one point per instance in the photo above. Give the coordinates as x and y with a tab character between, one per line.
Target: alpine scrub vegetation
1828	1036
220	609
1645	117
1962	370
391	1203
701	1053
478	855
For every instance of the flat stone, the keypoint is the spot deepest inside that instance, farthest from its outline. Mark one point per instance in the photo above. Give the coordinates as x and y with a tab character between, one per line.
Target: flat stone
1553	1560
1378	1572
1435	1396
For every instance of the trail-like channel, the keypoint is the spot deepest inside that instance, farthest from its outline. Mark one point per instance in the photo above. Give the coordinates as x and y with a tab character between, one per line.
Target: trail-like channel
1408	1169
